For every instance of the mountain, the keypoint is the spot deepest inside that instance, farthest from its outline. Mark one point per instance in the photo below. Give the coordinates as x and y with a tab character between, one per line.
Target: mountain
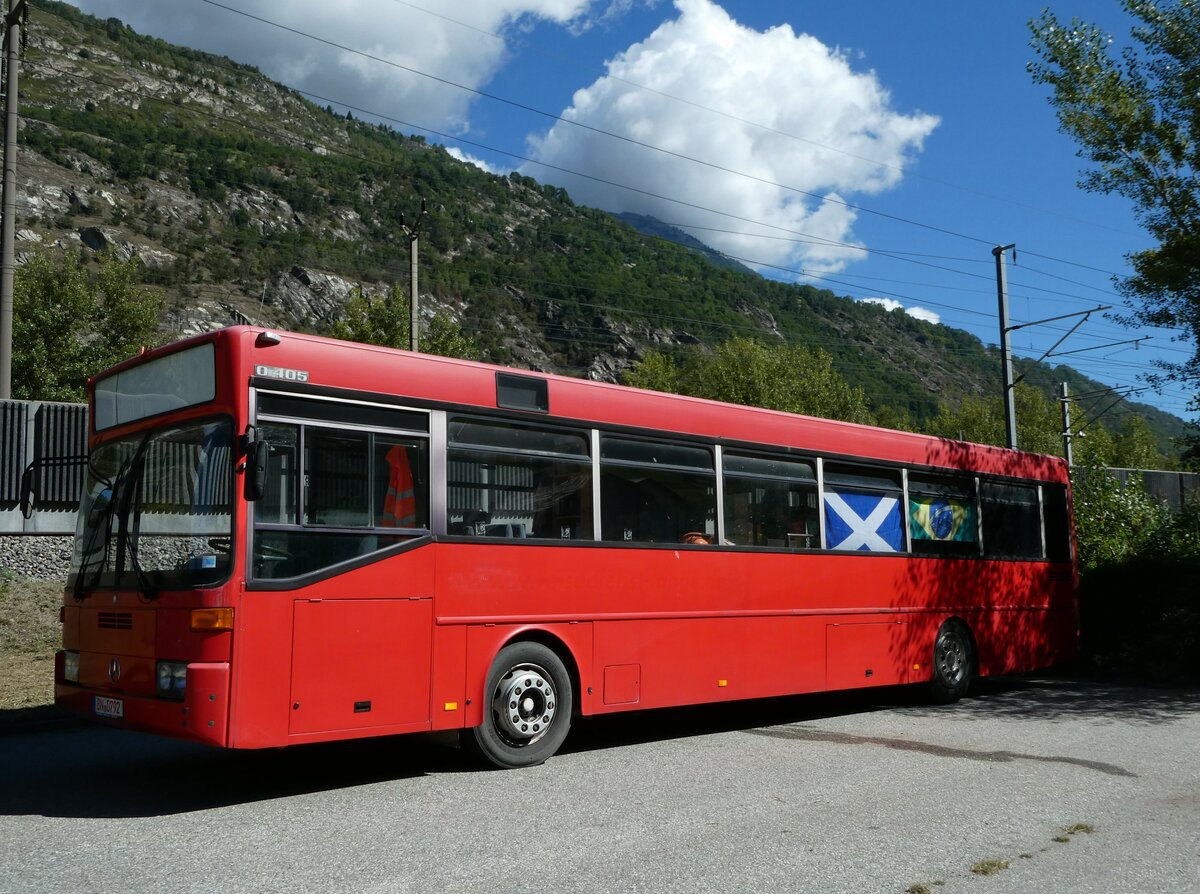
246	202
652	226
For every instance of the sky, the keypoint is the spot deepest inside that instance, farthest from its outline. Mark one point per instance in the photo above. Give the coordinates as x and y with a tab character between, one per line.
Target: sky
875	148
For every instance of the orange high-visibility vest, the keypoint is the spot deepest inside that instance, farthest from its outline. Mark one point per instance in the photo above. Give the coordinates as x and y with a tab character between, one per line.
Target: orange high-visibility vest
400	504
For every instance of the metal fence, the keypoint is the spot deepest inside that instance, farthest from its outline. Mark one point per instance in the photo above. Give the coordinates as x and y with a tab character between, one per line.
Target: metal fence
32	431
1172	489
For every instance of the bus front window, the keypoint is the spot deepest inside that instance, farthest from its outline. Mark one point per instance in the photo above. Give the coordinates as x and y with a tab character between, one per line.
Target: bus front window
158	510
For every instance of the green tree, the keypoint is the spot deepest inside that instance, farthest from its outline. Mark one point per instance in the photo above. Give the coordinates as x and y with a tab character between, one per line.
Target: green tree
1135	446
1114	522
69	324
751	372
656	371
1093	446
446	339
384	320
1136	119
981	419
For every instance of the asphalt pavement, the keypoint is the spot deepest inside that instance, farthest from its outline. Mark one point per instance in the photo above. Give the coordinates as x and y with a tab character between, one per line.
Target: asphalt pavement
1035	784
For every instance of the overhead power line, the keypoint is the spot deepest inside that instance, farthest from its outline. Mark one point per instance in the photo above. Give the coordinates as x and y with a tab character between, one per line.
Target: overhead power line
598	130
765	128
899	255
911	256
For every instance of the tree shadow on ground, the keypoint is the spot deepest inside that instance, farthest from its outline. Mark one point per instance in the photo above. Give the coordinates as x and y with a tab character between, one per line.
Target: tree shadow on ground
90	771
1067	695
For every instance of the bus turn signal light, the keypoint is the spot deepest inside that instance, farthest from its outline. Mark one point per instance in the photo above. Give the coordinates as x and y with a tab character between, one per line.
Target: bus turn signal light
205	619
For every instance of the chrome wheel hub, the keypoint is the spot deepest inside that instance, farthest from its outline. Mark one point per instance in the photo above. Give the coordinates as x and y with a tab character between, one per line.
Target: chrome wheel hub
951	659
524	704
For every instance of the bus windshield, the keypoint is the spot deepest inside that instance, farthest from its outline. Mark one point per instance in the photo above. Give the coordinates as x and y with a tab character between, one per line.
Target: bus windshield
158	511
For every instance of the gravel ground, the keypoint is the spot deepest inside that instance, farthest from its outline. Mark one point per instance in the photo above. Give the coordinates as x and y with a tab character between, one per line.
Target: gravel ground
36	557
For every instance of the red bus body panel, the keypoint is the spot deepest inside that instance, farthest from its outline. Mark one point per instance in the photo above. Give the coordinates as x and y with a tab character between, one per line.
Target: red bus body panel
404	643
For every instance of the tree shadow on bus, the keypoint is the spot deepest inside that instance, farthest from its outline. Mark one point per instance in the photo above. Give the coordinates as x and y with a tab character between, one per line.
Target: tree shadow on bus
1006	612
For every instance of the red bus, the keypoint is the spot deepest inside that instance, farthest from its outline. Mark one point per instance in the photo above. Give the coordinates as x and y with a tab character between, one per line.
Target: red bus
291	539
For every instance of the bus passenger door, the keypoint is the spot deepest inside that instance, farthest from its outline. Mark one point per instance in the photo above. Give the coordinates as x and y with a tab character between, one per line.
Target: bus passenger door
360	663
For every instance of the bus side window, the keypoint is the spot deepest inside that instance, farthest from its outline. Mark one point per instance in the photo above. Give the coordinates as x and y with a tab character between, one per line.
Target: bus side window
1011	520
862	509
655	492
517	481
278	504
1058	522
943	519
336	491
333	495
400	485
771	501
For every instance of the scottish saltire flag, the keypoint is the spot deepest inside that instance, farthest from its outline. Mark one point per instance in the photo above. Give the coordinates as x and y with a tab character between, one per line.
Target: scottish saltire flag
863	522
941	518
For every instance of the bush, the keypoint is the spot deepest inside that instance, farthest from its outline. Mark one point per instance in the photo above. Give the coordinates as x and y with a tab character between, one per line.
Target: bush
1142	617
1113	522
1139	609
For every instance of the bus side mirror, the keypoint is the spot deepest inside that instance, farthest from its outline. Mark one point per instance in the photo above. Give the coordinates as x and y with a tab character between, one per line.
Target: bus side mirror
257	453
31	478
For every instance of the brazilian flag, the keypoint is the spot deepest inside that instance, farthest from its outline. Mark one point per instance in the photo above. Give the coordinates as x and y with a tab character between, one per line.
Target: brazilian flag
941	518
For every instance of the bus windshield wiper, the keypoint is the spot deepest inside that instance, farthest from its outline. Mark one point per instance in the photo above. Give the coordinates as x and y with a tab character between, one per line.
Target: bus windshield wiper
143	579
126	543
98	524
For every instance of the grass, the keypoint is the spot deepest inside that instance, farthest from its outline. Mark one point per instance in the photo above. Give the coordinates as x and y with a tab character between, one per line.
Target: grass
989	867
1075	829
28	615
29	635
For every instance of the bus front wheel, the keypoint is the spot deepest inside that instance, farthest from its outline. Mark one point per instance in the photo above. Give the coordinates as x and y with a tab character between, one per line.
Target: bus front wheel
528	707
953	663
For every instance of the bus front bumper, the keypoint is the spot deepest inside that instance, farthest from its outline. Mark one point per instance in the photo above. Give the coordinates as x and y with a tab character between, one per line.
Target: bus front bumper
201	715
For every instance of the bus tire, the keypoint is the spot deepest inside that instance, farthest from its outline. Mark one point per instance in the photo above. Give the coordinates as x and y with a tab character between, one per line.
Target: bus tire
527	707
953	663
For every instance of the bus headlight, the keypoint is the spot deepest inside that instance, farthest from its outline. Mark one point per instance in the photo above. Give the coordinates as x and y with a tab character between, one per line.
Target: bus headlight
172	679
71	667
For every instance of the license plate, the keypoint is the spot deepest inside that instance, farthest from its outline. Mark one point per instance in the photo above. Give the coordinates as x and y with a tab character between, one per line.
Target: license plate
108	707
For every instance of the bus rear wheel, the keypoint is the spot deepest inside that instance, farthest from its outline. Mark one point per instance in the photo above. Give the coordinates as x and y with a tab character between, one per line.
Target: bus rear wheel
953	663
527	713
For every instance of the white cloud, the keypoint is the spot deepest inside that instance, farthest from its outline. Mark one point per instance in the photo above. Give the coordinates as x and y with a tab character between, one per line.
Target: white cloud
790	83
386	29
885	303
455	152
920	313
613	11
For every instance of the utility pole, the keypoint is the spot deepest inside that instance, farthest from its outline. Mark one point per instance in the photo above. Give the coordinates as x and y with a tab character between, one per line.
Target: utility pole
1006	367
17	10
1006	373
1066	417
413	233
